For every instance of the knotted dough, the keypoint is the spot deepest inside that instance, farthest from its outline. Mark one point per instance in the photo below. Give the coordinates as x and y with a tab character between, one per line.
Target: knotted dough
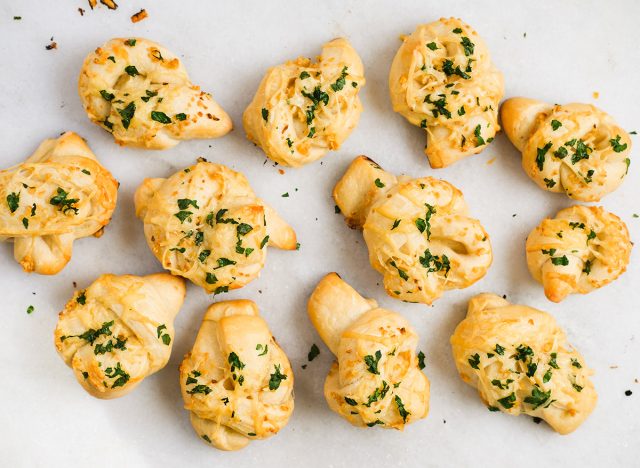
206	224
418	233
236	381
519	360
574	148
377	378
304	109
59	194
119	331
141	93
583	248
442	80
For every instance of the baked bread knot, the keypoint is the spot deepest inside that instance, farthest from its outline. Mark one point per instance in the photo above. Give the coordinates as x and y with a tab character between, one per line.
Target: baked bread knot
519	360
59	194
236	381
141	93
206	224
442	80
575	149
377	378
119	331
418	232
583	248
304	109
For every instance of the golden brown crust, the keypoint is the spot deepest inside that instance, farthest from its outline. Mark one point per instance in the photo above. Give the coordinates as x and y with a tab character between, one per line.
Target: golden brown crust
583	248
141	93
236	381
206	224
519	360
442	79
575	149
417	231
303	109
376	380
59	194
119	331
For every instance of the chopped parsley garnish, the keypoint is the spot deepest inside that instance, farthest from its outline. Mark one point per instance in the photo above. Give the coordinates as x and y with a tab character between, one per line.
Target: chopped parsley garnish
340	82
160	117
30	309
127	114
434	263
474	361
263	348
615	144
587	267
447	69
181	116
499	350
350	401
223	262
265	114
457	30
550	183
25	223
421	358
13	201
276	378
264	242
107	96
149	95
440	106
401	409
537	397
372	362
555	124
118	371
130	42
577	387
304	75
425	224
576	363
378	395
313	352
63	203
211	278
112	58
479	140
131	70
432	46
402	273
562	261
183	215
508	401
500	385
396	223
379	183
82	298
552	361
467	45
547	376
582	151
163	335
540	155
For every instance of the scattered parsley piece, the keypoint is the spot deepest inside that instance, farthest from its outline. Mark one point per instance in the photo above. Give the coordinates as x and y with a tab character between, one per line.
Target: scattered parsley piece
421	358
276	378
615	144
30	309
313	352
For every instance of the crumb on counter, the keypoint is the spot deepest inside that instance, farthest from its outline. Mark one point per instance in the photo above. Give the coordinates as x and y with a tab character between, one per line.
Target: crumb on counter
281	171
491	161
81	11
142	14
596	95
52	45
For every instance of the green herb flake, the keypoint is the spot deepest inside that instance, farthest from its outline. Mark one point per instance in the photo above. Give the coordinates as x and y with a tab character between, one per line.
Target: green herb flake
313	353
372	362
401	409
379	183
474	361
160	117
555	124
276	378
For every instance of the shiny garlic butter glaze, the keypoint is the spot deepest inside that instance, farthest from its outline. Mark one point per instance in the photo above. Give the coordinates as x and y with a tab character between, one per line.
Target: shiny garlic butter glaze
418	233
575	149
141	93
59	194
377	378
519	360
583	248
236	381
206	224
304	109
119	331
442	80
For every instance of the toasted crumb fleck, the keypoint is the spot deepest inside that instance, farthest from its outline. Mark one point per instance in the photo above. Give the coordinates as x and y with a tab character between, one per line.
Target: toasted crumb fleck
491	161
142	14
110	4
92	3
81	11
53	45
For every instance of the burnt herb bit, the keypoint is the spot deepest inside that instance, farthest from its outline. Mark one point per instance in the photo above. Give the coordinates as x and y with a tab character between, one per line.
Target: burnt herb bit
577	387
130	42
552	361
276	378
313	353
107	96
474	361
126	114
550	183
576	363
350	401
63	203
375	423
421	358
265	114
340	82
160	117
555	124
508	401
401	409
432	46
467	45
615	144
372	362
13	201
560	261
119	372
434	263
537	397
131	70
264	349
587	267
540	155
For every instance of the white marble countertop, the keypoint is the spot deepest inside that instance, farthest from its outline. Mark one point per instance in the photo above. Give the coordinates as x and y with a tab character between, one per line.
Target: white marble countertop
556	51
